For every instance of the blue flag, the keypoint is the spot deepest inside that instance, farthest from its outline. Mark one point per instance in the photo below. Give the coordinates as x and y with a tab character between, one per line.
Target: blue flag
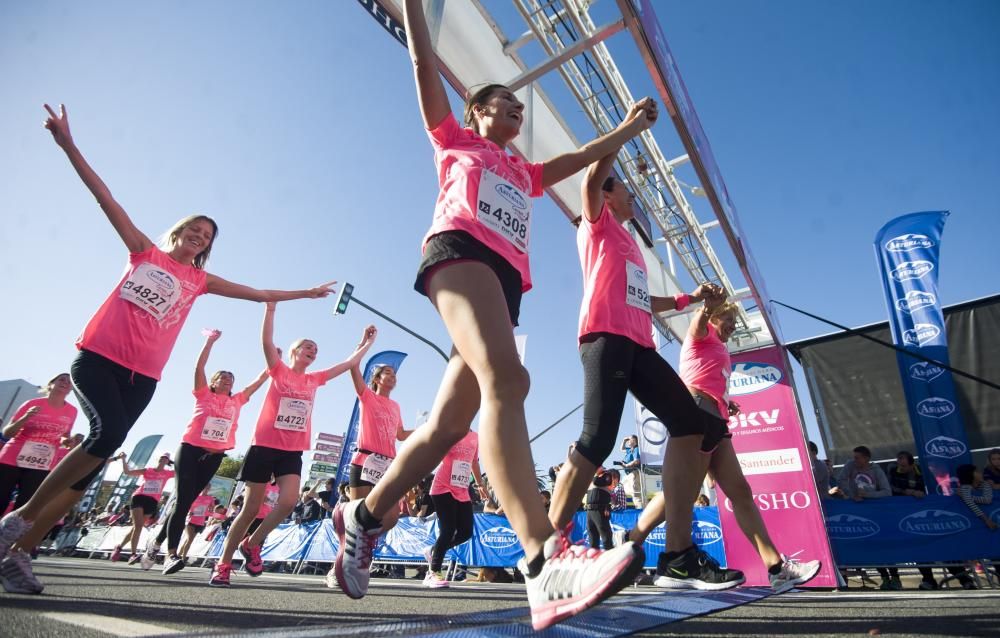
907	249
390	358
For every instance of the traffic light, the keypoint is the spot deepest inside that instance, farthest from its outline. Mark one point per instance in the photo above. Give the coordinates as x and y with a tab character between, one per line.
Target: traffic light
343	299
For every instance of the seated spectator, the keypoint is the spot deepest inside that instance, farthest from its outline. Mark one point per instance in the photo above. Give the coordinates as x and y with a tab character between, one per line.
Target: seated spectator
701	501
991	473
308	509
821	473
974	491
327	498
619	500
905	479
860	478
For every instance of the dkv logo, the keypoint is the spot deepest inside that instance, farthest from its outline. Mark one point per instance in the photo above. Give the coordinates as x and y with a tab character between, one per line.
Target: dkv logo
750	377
498	537
921	334
908	270
945	447
934	523
915	300
925	371
908	242
935	408
850	527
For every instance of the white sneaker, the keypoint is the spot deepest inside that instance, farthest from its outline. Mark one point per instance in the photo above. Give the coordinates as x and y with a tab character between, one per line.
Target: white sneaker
12	527
16	574
575	578
354	553
429	555
435	580
173	564
331	579
148	558
793	573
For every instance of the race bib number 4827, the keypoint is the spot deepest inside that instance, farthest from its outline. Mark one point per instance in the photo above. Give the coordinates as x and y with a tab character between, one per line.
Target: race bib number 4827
152	289
504	209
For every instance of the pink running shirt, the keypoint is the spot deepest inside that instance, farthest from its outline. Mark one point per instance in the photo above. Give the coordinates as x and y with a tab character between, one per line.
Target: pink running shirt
285	421
485	192
705	365
452	476
213	426
153	482
380	422
36	444
271	493
200	509
137	325
615	294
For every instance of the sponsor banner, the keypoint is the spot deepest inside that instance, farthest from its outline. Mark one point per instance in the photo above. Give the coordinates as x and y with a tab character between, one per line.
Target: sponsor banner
652	435
907	249
898	530
769	443
390	358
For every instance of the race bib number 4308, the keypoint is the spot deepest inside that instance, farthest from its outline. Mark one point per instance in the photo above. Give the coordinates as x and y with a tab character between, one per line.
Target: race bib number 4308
504	209
152	289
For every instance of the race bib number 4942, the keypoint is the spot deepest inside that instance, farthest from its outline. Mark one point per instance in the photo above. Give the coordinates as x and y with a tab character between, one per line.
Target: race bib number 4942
152	289
35	456
504	209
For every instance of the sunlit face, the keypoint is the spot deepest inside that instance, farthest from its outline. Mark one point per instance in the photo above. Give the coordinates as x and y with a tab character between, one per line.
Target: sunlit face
163	462
222	382
620	201
305	353
60	386
725	325
386	379
500	115
195	238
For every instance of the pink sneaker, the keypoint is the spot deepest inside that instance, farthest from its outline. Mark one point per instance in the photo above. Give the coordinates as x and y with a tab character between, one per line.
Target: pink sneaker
251	555
116	555
220	575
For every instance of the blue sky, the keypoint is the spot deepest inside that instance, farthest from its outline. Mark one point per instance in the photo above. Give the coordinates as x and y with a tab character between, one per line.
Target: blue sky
296	128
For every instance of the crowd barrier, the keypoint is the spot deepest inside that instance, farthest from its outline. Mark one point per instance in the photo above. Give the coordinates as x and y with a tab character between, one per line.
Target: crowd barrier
885	531
899	530
493	542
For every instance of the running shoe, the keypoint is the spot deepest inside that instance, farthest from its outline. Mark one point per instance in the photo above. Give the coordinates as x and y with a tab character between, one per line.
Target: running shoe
331	579
148	558
116	554
694	569
575	577
134	558
435	580
220	574
794	573
251	556
16	574
354	553
173	564
429	555
12	527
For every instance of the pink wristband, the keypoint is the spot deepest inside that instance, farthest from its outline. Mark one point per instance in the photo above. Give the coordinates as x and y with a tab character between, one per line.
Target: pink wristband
682	300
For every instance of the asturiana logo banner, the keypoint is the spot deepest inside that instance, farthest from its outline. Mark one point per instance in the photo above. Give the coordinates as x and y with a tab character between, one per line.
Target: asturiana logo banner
705	533
908	270
915	300
935	408
750	377
921	334
925	371
498	537
945	447
934	523
850	527
908	242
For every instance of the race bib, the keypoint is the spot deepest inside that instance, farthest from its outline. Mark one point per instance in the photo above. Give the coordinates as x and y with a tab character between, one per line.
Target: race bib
504	209
36	456
636	290
271	499
374	468
154	486
216	429
152	289
293	414
199	512
460	472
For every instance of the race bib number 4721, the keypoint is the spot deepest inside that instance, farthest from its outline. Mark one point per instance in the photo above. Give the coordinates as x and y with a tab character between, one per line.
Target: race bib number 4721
293	414
152	289
504	209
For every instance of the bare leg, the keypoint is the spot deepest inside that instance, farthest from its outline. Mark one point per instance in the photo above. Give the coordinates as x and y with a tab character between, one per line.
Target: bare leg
71	469
652	516
684	467
138	520
729	476
288	495
44	520
571	485
189	534
253	497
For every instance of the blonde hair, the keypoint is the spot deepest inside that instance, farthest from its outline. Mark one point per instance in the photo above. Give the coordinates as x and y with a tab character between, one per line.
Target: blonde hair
297	344
728	308
47	388
171	236
215	379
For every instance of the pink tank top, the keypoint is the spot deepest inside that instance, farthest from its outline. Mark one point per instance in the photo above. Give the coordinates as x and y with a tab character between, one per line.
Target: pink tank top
285	421
36	445
485	192
213	426
153	482
137	325
380	423
452	476
615	295
705	365
201	508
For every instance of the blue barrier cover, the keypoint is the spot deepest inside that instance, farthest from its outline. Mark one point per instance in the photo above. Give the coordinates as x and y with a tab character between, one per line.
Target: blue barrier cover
289	541
900	529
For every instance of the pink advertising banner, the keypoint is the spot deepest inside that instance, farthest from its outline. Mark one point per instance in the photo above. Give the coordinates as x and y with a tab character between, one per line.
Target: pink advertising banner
769	441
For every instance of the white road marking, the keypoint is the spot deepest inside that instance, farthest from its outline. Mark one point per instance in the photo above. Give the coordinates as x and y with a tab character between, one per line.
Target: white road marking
113	626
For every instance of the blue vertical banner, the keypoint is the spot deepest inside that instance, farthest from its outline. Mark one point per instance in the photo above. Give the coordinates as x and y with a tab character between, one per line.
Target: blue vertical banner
907	249
390	358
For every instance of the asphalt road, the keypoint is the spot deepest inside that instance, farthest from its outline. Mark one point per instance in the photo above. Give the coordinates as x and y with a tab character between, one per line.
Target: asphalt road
85	598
